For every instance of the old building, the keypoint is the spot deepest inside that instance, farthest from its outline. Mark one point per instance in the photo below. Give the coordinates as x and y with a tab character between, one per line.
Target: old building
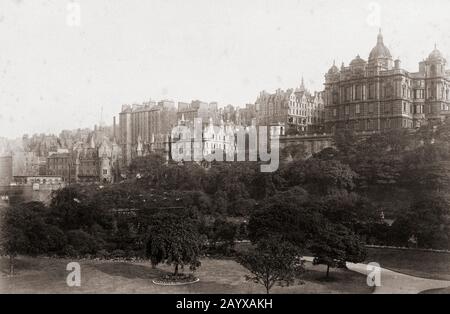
378	94
246	116
144	124
190	144
306	111
6	170
297	109
109	161
87	164
61	164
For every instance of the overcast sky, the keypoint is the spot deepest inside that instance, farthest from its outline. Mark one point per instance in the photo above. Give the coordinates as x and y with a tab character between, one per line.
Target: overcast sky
58	70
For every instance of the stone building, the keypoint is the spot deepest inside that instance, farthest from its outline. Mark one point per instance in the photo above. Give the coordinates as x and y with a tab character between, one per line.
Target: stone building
306	111
61	164
189	144
108	155
378	94
296	109
142	125
246	116
6	170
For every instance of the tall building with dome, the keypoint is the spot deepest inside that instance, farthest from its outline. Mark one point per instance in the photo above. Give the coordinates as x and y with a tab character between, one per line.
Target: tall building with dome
378	94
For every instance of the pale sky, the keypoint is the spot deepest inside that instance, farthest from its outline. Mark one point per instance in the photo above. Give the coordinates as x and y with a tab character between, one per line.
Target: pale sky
56	74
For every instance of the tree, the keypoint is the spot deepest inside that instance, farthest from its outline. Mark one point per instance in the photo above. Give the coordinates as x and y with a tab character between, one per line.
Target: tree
273	262
24	230
224	232
320	176
333	245
427	220
13	240
351	210
173	239
294	152
287	215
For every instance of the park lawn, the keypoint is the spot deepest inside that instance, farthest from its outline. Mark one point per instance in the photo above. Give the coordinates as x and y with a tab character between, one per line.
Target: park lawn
46	275
430	265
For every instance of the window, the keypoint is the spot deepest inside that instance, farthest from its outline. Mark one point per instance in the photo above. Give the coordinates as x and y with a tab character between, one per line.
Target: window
358	95
371	91
334	112
348	93
347	110
105	171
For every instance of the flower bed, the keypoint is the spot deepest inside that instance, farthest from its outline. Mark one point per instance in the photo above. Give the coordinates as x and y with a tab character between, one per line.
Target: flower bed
176	280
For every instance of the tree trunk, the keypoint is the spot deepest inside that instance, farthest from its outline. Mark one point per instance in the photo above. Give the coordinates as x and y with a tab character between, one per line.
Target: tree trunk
11	265
176	270
328	270
267	290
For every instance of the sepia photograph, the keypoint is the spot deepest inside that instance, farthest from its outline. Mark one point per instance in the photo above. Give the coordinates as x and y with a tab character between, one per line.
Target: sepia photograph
224	153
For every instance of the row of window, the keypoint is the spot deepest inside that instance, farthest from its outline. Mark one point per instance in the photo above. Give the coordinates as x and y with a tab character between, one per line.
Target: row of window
372	124
407	108
358	92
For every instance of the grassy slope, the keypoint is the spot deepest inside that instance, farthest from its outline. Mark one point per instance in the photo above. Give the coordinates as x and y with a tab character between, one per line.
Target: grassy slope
416	263
40	275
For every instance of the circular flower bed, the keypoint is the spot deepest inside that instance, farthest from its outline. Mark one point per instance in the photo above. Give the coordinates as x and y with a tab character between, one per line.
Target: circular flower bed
176	280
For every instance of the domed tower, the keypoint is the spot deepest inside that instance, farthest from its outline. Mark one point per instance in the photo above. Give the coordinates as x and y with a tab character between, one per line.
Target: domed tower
437	89
380	56
358	64
435	64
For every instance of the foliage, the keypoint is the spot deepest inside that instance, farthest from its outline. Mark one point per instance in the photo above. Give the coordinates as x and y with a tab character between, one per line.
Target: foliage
427	220
273	262
224	234
334	245
288	215
173	239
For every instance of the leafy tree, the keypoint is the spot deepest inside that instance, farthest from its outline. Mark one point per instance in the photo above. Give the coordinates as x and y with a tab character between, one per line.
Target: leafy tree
428	220
68	207
320	176
294	152
288	215
273	262
173	239
24	231
224	232
351	210
333	245
81	243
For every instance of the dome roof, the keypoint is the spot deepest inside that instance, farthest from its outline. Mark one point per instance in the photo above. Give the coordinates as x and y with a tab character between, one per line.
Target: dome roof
334	69
357	61
435	54
380	50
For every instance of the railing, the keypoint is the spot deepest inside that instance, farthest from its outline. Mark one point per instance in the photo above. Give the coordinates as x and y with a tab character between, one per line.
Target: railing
407	249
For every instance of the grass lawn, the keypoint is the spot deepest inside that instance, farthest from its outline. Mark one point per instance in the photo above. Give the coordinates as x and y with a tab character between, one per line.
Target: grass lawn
415	263
43	275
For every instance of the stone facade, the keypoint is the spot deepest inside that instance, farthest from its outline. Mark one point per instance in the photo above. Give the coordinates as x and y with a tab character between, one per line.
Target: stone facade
297	109
6	170
378	94
144	124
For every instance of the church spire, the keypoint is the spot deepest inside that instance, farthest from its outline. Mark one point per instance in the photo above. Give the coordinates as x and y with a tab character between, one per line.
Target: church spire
380	37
